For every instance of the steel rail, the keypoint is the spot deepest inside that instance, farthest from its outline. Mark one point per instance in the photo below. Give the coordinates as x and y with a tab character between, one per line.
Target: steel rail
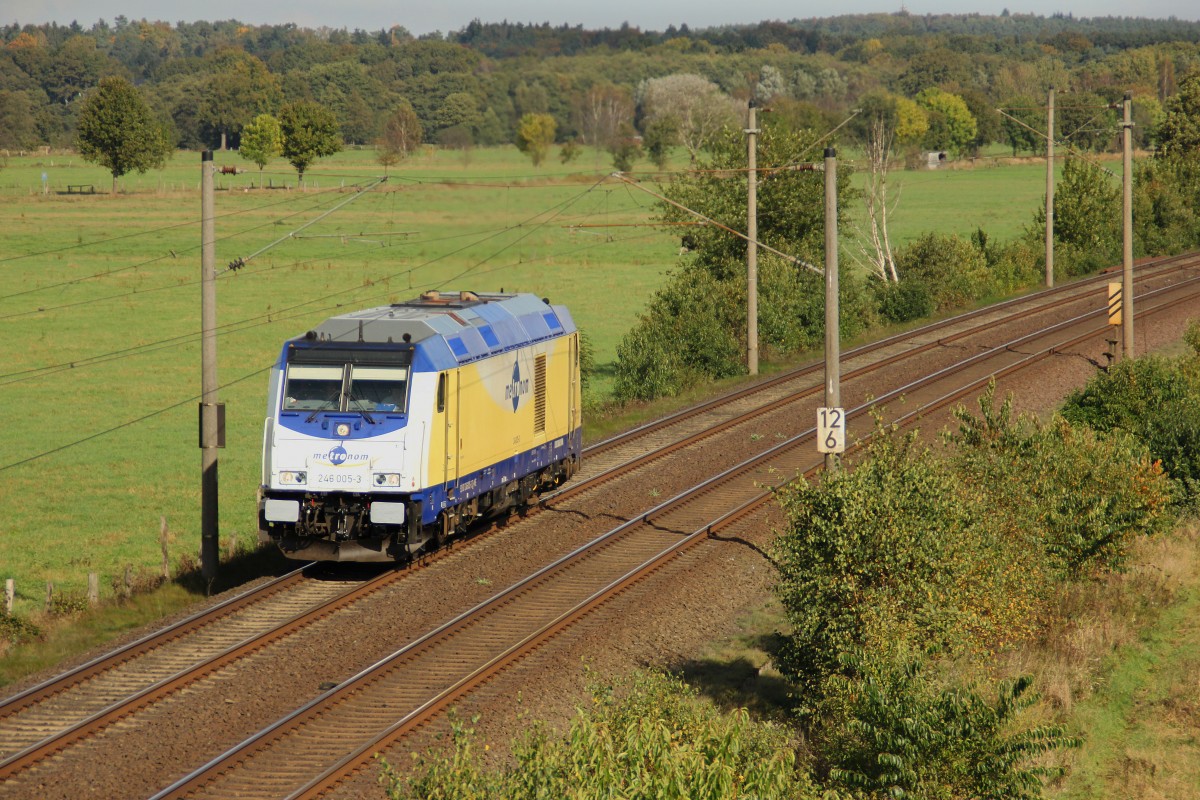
1171	265
480	673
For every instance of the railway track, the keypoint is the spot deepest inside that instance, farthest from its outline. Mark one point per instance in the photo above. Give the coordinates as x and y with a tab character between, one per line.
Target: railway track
308	752
606	461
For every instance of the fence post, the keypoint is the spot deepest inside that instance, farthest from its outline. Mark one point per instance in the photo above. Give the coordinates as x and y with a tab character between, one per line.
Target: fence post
93	589
166	561
128	581
10	593
49	595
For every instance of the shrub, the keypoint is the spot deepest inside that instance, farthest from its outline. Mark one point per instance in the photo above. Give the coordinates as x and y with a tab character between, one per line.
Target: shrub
907	300
1077	496
647	365
650	736
955	270
1164	205
908	738
1157	402
570	151
1087	214
686	334
890	557
587	359
16	630
1016	265
908	554
66	604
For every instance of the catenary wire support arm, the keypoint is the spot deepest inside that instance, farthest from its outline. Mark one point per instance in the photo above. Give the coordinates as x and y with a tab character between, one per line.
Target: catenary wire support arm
1073	151
242	261
799	262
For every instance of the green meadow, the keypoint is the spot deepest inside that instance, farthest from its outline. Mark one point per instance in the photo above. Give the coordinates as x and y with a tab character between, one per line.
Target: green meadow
100	310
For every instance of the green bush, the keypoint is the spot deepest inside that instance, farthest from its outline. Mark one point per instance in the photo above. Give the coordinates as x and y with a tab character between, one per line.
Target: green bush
1165	205
909	738
17	630
1016	265
1087	218
907	300
587	359
647	737
1074	495
890	557
906	553
955	270
66	604
687	333
1157	402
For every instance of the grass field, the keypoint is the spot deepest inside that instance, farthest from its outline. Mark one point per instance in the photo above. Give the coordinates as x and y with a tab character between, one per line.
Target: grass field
100	310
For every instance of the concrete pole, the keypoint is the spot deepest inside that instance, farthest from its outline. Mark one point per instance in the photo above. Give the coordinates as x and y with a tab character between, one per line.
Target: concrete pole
1050	190
209	545
833	373
1127	232
752	234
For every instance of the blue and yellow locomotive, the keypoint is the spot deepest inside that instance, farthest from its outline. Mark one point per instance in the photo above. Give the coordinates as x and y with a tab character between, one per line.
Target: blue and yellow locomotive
391	428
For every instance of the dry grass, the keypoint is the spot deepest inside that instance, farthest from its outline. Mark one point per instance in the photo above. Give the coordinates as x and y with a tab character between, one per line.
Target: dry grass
1119	664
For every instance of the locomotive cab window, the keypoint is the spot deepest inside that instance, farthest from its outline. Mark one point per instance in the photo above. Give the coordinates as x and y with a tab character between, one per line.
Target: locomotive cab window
313	388
377	389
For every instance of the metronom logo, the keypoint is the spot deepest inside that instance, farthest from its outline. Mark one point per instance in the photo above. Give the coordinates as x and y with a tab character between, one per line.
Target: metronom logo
339	456
517	388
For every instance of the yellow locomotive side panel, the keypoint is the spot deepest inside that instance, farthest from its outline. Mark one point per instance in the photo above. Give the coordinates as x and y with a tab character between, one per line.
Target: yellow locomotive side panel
490	411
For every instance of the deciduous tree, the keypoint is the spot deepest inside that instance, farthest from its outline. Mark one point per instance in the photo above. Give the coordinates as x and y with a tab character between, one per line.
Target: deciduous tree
952	127
310	131
1024	124
17	128
239	88
118	131
1179	132
1087	214
535	134
887	122
401	136
601	111
262	140
1086	121
697	105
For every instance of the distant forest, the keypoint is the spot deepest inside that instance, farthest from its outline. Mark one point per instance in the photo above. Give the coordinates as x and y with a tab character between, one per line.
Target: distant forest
473	86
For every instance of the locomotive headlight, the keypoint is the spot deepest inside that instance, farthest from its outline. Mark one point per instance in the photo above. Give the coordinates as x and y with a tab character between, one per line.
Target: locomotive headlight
293	478
343	429
387	478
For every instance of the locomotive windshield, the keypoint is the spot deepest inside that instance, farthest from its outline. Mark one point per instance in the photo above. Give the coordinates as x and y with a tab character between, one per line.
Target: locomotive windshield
377	388
312	388
350	387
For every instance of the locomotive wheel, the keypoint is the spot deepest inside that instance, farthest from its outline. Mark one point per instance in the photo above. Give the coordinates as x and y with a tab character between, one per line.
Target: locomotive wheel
442	529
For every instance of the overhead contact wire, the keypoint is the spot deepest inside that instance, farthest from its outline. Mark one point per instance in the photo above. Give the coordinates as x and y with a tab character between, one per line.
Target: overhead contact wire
281	314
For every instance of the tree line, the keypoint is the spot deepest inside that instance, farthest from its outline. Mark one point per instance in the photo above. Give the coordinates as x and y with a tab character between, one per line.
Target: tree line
208	81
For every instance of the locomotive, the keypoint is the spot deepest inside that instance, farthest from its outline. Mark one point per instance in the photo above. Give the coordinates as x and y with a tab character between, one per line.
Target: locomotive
390	429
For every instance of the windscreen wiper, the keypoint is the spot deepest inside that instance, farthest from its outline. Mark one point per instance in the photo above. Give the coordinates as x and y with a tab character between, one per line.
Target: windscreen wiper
320	408
363	411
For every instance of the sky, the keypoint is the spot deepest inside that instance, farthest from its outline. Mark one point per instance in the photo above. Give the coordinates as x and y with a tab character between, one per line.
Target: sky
451	15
